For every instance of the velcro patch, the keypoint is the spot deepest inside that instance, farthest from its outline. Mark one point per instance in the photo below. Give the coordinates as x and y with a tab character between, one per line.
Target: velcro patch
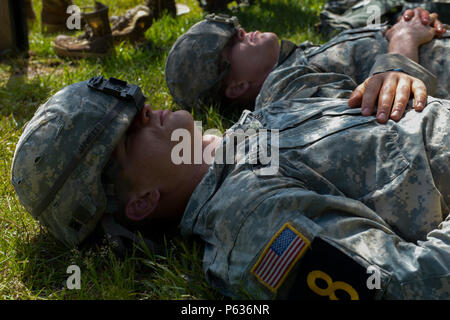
279	256
326	272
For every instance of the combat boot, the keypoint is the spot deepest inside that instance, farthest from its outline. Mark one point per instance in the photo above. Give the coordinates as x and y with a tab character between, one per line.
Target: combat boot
54	15
158	7
132	25
96	42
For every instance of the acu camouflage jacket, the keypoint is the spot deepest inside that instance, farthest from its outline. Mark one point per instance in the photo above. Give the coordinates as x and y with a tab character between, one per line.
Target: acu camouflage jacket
354	209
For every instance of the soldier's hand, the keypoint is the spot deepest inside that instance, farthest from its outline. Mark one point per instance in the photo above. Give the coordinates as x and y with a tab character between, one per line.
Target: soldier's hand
413	32
427	18
392	90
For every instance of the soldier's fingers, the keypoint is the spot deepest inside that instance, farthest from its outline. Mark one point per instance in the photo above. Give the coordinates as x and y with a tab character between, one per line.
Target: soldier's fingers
420	94
370	95
408	14
433	18
424	16
356	97
401	98
385	99
439	27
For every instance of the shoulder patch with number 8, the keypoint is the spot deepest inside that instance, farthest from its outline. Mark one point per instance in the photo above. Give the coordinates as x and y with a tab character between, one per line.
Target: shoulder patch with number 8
326	272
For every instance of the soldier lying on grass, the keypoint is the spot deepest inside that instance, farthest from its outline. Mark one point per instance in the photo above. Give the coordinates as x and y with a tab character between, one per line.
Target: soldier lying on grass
216	61
299	199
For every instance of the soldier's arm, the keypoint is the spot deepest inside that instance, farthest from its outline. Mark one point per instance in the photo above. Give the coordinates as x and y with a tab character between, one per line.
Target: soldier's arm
393	89
342	242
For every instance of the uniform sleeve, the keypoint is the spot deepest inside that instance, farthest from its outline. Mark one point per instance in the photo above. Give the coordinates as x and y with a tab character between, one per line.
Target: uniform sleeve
391	61
353	53
343	243
334	69
361	52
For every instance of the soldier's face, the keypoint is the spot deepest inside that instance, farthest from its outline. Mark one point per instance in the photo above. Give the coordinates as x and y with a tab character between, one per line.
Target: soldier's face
253	54
144	152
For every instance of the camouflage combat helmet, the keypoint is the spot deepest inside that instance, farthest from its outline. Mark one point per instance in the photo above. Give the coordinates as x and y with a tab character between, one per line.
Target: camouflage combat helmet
60	160
194	65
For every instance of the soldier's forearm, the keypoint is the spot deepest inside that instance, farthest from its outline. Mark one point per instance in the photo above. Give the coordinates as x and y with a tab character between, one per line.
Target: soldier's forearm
405	46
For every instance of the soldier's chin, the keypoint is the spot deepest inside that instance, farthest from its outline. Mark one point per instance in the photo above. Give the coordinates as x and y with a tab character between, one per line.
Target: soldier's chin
271	37
271	41
272	46
183	119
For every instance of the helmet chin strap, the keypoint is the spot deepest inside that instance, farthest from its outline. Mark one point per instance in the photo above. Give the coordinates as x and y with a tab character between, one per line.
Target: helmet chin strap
118	236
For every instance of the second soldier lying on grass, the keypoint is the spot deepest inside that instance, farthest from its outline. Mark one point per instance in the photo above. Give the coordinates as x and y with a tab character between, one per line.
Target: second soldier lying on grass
218	62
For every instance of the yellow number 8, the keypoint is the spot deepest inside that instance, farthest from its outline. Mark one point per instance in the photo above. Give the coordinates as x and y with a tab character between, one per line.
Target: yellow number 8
331	286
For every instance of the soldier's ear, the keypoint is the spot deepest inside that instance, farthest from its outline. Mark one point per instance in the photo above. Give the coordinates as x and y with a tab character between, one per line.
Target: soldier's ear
236	89
144	115
140	207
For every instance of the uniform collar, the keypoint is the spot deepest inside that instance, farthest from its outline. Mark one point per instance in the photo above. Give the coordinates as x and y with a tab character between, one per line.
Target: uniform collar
215	175
286	49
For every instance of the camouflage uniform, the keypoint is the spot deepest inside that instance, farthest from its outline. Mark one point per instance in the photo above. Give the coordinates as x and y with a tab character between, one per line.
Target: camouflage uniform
357	54
357	193
193	69
339	15
353	192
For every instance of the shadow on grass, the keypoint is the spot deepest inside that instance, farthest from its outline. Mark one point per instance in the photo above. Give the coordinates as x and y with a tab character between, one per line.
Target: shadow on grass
285	18
47	275
44	272
21	96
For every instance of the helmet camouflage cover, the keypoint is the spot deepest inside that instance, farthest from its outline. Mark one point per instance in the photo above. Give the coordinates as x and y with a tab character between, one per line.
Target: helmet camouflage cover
59	159
193	70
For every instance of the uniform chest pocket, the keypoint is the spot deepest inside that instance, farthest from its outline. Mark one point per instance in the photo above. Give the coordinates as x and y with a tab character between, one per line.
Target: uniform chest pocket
321	125
355	153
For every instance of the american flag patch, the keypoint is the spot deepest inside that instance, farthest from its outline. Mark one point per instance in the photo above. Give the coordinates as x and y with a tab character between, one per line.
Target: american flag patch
279	256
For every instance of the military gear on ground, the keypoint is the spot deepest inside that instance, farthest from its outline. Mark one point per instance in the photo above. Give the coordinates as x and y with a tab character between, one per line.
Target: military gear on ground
97	41
132	25
341	15
59	159
54	15
194	65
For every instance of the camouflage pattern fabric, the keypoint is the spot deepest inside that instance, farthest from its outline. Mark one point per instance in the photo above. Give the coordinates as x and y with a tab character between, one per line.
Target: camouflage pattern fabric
191	70
376	193
63	126
354	53
341	15
193	66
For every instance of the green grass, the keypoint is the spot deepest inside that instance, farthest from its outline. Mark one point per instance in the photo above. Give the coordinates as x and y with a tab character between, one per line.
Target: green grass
32	263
